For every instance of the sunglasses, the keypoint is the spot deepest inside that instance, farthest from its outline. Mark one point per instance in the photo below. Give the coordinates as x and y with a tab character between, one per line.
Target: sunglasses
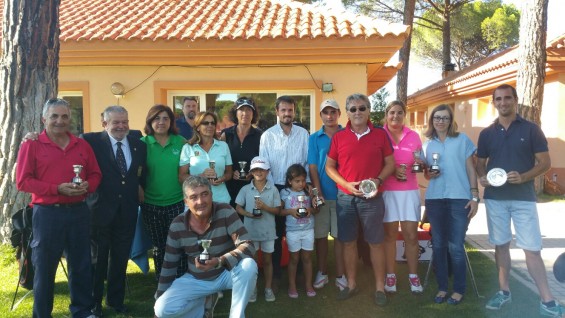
207	123
355	109
240	102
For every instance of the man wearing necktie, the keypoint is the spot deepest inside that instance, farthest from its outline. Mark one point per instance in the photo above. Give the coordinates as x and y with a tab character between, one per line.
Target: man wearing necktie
114	207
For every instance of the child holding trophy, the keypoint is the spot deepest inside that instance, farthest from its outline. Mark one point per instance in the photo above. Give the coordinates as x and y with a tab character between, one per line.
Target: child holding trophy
297	207
259	202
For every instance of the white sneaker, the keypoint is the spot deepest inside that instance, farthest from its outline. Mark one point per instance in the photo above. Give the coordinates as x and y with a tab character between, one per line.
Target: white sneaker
415	285
253	297
390	283
341	282
269	295
321	280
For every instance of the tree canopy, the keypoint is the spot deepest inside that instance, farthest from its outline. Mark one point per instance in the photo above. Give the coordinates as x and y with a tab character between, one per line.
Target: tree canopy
478	30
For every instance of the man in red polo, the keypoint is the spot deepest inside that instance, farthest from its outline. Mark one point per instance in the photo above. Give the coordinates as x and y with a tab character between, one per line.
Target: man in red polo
61	219
360	152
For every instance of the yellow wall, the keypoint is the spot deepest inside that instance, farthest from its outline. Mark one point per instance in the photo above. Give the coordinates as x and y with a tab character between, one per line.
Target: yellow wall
346	79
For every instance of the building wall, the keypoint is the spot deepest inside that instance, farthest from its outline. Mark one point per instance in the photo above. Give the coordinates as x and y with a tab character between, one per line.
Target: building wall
147	88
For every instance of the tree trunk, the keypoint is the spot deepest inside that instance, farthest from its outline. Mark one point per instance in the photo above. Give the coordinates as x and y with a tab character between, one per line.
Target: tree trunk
446	33
28	77
530	77
404	53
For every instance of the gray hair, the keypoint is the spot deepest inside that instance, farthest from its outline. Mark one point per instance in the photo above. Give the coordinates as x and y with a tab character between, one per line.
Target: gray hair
357	96
113	109
194	182
54	102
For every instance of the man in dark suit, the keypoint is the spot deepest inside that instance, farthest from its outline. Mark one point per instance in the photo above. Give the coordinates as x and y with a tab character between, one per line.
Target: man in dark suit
115	204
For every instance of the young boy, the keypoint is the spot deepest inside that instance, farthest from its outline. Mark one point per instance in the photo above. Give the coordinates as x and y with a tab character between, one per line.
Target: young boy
262	202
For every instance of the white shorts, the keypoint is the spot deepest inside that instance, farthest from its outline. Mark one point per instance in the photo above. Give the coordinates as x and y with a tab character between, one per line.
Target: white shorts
265	246
300	240
402	206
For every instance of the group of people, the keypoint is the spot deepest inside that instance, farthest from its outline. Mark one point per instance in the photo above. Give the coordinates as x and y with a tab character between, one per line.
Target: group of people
207	217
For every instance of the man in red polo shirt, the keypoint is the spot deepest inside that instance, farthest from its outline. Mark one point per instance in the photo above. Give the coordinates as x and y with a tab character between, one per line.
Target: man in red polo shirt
61	219
360	152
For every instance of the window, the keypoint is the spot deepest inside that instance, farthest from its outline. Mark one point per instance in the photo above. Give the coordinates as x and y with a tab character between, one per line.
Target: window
222	102
77	118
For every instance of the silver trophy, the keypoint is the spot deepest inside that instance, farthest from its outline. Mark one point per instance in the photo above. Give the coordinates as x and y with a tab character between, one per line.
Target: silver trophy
368	187
416	167
302	212
212	164
403	168
77	169
205	255
242	173
434	166
256	210
317	199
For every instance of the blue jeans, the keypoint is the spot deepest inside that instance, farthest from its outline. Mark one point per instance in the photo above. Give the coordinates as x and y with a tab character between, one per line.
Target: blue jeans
449	222
56	229
186	296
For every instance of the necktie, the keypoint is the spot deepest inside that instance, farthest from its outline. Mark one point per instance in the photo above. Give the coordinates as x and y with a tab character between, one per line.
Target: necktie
121	159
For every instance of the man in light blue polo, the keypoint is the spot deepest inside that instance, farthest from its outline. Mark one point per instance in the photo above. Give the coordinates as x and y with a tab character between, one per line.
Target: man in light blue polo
326	218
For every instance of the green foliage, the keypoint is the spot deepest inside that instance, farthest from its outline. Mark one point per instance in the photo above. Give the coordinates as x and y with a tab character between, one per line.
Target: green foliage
379	100
478	30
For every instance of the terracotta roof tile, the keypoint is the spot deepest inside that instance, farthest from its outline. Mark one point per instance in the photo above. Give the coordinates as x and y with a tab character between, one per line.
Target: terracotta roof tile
119	20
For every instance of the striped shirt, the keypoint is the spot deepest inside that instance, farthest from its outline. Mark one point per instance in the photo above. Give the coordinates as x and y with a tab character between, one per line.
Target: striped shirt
229	239
282	150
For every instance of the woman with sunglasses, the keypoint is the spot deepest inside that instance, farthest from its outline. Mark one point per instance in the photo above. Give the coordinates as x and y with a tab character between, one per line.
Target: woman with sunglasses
243	141
451	199
163	198
207	156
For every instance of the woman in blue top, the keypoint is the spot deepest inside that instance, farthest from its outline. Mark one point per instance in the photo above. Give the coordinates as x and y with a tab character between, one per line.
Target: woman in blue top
451	198
206	156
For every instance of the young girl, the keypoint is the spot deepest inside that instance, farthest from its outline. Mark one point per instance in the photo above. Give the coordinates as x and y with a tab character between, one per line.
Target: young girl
299	227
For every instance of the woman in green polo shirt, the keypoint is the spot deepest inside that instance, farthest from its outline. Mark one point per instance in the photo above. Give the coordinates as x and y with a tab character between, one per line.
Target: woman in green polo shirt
163	194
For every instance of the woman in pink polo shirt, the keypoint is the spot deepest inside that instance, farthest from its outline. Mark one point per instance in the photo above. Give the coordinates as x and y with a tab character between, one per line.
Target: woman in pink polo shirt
401	197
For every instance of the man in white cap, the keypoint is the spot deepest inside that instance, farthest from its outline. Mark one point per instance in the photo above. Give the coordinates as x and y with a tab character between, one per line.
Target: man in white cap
326	218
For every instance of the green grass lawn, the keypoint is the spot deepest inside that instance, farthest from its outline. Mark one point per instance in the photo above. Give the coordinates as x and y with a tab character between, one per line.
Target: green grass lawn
403	304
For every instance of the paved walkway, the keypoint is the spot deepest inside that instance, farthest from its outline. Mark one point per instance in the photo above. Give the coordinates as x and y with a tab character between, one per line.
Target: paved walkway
552	222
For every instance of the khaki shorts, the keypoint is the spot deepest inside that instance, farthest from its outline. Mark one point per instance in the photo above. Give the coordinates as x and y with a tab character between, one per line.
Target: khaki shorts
325	221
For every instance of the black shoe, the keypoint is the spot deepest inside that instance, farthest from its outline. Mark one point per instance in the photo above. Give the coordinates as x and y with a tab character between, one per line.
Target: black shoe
97	310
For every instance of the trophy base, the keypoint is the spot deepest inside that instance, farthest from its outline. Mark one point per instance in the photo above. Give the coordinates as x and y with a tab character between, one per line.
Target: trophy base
202	260
434	169
257	212
417	170
320	203
302	212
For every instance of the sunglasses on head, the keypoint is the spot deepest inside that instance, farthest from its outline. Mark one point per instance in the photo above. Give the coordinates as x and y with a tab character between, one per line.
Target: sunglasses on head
207	123
243	101
355	109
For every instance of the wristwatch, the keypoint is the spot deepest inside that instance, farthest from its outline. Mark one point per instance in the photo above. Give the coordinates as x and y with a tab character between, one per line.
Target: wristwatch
476	199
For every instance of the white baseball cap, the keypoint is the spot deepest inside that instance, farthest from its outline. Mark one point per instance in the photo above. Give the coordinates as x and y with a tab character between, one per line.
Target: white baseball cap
329	103
259	162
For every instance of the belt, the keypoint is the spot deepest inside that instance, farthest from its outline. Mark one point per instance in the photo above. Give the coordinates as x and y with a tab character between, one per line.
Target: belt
63	205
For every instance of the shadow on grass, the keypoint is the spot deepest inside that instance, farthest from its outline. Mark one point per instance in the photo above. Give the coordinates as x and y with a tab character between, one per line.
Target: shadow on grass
139	298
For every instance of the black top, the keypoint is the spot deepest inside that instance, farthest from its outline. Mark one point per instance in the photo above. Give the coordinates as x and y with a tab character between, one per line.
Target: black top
241	151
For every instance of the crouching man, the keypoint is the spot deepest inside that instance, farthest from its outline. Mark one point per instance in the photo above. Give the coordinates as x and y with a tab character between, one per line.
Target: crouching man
230	264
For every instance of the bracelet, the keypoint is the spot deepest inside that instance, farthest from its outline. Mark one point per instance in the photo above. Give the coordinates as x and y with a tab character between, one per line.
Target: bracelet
380	181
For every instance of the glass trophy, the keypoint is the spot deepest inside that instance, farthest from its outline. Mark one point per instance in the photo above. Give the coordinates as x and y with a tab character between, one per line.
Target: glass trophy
242	173
77	169
205	255
368	187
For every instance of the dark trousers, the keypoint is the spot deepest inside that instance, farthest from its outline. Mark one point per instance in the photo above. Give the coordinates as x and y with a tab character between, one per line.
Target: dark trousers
280	230
113	242
58	229
157	220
